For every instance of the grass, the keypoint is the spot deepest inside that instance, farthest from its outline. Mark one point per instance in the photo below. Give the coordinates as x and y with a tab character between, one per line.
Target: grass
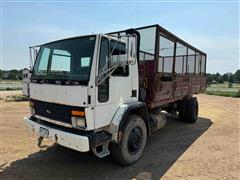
224	90
9	80
224	93
8	85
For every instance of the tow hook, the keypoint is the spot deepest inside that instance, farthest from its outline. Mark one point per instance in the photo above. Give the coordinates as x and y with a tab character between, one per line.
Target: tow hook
40	139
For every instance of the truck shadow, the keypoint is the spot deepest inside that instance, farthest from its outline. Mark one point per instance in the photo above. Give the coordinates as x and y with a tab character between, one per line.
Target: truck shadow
163	149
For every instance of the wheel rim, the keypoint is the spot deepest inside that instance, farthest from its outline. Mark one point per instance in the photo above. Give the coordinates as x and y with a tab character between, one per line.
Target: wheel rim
135	140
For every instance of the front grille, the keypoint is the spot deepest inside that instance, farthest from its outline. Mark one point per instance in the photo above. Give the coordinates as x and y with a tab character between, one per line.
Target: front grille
57	112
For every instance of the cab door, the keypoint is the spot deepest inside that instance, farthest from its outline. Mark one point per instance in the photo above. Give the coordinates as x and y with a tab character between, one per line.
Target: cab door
115	87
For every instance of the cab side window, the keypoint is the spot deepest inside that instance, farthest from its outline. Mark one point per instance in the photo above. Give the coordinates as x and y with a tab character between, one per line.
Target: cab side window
103	88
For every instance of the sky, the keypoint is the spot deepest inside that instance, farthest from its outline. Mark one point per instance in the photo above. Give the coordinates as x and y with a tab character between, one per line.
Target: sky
211	26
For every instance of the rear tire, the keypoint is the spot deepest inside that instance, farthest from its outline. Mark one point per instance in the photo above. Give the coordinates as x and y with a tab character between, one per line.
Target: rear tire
192	110
182	110
133	141
188	110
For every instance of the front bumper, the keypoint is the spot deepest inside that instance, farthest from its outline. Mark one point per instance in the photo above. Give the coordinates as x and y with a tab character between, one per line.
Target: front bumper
70	140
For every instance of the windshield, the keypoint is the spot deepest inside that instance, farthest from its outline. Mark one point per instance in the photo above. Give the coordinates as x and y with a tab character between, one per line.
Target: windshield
66	59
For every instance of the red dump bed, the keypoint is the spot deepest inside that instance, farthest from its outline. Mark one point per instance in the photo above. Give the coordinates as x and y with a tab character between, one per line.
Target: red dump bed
169	68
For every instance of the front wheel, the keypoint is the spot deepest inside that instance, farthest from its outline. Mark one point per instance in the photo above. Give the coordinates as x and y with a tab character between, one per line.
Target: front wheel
133	141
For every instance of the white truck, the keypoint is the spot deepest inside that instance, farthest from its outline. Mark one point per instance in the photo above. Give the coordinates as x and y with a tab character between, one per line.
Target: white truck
100	93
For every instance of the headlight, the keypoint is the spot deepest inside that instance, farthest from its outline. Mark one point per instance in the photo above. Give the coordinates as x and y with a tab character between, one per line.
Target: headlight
78	122
78	119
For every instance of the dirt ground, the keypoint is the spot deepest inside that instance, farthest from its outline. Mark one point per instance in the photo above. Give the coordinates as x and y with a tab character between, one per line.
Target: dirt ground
208	149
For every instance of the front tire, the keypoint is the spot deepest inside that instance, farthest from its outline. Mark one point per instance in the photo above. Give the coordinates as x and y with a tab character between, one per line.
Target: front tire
133	141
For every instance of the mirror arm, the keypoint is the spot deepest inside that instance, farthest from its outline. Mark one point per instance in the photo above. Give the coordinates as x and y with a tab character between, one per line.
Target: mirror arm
111	70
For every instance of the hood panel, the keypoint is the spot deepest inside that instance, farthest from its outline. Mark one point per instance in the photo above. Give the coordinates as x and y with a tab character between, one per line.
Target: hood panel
67	95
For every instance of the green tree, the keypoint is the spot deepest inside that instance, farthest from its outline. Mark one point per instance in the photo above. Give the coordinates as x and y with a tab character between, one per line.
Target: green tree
231	78
210	77
220	79
1	74
217	75
12	76
225	77
237	76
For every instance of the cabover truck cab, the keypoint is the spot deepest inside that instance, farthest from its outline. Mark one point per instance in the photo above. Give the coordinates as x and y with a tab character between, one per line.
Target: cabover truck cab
106	92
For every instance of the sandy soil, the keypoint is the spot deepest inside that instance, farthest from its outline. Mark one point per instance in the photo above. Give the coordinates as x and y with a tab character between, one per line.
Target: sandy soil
208	149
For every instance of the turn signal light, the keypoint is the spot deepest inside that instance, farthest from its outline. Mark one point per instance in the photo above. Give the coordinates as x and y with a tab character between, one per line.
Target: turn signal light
78	113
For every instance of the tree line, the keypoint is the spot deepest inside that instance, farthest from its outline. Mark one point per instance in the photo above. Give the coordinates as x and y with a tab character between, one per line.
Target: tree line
211	78
220	78
13	74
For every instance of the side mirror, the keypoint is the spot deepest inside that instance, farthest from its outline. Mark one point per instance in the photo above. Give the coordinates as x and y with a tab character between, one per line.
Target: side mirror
119	59
33	55
132	49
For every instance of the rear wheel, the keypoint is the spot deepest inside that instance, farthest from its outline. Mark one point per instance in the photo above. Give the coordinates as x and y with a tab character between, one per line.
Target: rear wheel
192	110
133	142
182	110
188	110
